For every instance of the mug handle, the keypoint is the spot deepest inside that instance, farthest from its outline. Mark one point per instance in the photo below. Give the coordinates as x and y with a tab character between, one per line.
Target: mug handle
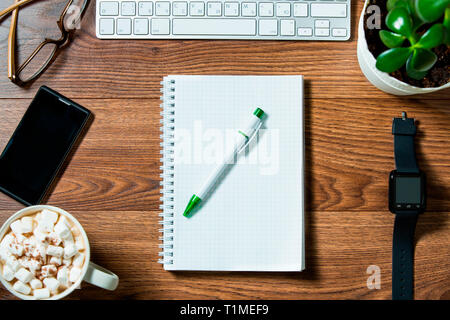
101	277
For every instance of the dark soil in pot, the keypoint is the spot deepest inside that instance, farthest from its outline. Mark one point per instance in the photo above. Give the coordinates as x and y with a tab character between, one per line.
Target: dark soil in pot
438	76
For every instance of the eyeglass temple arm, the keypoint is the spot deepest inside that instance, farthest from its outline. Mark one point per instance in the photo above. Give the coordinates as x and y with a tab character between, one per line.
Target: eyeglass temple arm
12	45
14	6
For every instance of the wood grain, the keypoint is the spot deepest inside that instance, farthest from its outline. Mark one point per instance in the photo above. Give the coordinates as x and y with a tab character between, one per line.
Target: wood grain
111	183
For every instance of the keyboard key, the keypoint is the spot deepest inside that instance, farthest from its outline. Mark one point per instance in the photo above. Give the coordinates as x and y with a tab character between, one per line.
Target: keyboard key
287	27
268	27
160	26
141	26
249	9
283	9
179	8
214	9
300	9
322	23
128	8
145	8
305	32
221	27
197	8
329	10
266	9
322	32
162	8
109	8
106	26
339	32
124	26
231	9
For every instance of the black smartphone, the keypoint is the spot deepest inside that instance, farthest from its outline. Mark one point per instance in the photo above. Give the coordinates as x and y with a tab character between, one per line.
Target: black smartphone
39	146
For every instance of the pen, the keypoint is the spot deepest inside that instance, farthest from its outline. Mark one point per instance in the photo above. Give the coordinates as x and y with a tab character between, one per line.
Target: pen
244	137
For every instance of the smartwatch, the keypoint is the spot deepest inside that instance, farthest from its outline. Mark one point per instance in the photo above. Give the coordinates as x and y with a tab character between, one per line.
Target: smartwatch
407	199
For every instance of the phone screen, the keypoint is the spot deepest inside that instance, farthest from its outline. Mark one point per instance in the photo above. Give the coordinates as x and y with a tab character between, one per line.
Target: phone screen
39	146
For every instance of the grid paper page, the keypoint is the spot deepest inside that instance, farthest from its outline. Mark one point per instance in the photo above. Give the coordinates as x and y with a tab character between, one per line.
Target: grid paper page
253	219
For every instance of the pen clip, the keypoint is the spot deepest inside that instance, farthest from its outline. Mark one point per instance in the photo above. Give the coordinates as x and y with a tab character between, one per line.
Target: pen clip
251	138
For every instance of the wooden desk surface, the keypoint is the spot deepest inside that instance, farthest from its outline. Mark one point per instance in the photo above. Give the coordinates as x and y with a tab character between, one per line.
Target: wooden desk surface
112	182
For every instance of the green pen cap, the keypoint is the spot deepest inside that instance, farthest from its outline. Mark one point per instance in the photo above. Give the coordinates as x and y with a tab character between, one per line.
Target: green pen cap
258	112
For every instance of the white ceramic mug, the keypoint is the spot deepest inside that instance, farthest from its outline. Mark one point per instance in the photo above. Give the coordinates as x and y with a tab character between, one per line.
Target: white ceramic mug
90	273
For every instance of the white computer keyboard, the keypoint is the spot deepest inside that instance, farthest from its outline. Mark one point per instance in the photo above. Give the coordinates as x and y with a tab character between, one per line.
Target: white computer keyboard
244	19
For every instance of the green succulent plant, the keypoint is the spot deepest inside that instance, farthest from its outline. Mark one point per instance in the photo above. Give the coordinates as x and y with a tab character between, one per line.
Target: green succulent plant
406	45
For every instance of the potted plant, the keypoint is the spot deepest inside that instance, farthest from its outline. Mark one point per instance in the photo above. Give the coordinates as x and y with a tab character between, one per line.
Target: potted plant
410	54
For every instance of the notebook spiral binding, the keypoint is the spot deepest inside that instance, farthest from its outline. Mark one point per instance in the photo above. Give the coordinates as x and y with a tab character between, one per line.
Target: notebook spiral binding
167	168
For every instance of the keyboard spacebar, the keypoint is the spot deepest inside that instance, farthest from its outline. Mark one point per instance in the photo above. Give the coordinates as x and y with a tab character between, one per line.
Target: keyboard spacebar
226	27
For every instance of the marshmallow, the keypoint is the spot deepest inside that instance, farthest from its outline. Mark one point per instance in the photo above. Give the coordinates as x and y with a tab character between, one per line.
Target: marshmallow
63	219
56	261
55	251
74	274
4	254
13	263
78	260
17	227
20	238
21	287
52	284
63	276
54	239
41	293
40	236
48	271
32	264
40	252
36	284
62	230
7	240
8	274
69	240
16	249
29	245
79	244
49	216
27	224
67	262
24	275
45	226
75	231
69	251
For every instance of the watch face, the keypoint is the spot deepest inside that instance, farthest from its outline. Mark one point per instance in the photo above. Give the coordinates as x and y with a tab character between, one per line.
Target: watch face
406	192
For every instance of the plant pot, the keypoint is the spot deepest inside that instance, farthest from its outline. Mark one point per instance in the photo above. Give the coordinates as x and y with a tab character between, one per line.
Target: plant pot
379	79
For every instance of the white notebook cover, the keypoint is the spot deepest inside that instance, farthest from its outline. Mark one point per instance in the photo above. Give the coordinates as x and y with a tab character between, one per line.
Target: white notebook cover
254	219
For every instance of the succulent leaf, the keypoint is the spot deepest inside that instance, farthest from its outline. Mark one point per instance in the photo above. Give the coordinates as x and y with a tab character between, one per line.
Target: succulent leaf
431	10
399	21
413	73
393	59
391	39
433	37
423	59
446	24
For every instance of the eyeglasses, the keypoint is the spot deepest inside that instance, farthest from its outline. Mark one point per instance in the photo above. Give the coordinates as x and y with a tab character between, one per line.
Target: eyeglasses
46	52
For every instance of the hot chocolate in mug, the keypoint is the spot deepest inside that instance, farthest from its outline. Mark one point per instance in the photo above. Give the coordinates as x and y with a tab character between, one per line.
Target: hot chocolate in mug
89	271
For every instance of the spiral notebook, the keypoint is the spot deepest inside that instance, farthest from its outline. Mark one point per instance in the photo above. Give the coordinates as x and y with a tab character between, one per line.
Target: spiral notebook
254	218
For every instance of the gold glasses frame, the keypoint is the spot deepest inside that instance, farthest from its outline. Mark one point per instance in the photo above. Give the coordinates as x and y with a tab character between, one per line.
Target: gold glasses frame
14	71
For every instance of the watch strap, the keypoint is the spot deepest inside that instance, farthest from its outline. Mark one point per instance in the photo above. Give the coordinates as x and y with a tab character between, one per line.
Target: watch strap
403	256
404	130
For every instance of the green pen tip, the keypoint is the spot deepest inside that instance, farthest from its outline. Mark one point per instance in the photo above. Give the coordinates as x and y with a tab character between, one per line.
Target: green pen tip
258	112
191	205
